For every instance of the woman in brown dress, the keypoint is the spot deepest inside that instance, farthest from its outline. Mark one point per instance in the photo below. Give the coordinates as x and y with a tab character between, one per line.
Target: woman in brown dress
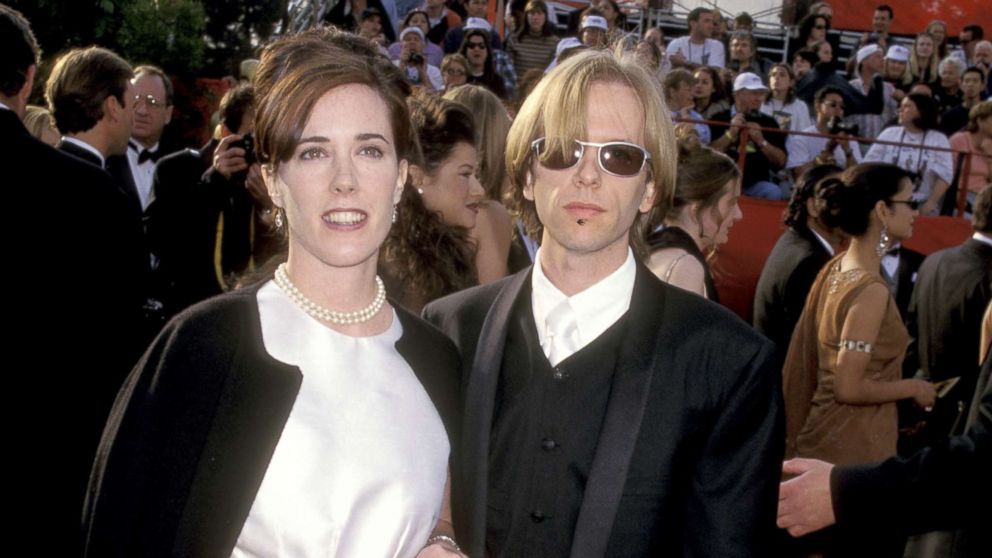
842	375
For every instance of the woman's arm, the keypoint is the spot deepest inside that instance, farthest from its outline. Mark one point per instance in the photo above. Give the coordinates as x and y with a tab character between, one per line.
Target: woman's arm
862	323
442	540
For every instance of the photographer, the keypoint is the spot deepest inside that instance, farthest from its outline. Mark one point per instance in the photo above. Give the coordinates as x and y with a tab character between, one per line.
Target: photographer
764	154
806	152
413	62
212	218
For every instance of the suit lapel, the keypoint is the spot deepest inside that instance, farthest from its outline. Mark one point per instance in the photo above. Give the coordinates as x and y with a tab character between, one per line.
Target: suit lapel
480	393
631	384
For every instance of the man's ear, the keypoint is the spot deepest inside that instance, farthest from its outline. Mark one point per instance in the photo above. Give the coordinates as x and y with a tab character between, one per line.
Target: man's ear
648	201
528	190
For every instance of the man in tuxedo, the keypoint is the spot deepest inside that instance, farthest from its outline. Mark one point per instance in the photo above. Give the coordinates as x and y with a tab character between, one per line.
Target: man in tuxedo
945	314
211	214
793	264
606	413
70	311
152	111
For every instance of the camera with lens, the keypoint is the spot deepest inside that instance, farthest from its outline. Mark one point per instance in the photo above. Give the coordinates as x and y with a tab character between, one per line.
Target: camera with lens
416	58
838	126
247	142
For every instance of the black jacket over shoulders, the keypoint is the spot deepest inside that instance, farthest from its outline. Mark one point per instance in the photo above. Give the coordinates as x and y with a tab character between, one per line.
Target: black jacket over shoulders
193	430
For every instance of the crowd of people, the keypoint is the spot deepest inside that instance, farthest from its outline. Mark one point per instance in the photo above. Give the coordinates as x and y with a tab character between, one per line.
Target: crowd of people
433	290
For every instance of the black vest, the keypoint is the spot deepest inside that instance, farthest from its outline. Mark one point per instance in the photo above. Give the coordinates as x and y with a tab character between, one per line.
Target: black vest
545	428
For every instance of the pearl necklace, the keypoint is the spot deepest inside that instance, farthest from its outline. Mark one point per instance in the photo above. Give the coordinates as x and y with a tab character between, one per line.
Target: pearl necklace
323	314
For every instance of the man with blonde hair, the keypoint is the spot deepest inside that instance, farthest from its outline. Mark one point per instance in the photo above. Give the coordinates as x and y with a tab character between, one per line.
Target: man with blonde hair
606	412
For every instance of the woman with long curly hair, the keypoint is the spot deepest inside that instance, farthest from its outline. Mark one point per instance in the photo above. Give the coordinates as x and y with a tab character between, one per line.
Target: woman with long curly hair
703	209
428	252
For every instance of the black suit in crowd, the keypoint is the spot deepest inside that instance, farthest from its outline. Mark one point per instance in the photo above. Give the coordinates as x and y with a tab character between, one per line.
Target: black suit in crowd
72	307
202	227
785	281
192	433
662	437
953	288
902	283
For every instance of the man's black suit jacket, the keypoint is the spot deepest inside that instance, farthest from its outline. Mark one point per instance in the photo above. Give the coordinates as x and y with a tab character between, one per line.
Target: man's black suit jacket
785	281
71	310
689	454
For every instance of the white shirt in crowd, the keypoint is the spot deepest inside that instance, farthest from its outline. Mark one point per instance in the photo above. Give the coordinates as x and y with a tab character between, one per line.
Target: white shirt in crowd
803	149
433	76
710	53
792	116
916	157
870	125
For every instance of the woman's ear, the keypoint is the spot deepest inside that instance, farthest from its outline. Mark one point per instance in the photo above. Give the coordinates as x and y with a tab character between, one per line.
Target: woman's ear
269	177
401	180
417	175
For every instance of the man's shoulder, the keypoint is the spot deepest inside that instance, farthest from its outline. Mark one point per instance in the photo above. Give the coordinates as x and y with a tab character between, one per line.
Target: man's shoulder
472	302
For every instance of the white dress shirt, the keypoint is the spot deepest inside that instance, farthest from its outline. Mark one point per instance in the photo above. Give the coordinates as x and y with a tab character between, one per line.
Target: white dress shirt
142	173
595	309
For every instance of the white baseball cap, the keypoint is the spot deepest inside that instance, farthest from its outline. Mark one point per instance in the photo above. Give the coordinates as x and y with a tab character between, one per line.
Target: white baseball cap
898	53
413	29
477	23
596	21
866	51
750	82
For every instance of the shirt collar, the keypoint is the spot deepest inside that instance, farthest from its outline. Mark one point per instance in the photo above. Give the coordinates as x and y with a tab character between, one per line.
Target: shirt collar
5	107
86	146
595	308
823	241
977	236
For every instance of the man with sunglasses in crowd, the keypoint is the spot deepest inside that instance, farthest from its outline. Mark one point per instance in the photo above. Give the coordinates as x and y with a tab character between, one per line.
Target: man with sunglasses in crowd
605	412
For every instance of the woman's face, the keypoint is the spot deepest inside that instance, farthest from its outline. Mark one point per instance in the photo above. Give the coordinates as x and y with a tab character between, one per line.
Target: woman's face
341	181
453	190
645	55
780	80
535	20
985	126
703	89
454	75
801	67
908	112
717	221
825	52
681	96
420	20
608	12
938	31
819	30
924	47
476	50
900	216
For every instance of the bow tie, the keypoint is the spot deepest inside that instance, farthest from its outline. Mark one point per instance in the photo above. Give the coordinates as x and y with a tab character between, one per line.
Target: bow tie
145	154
